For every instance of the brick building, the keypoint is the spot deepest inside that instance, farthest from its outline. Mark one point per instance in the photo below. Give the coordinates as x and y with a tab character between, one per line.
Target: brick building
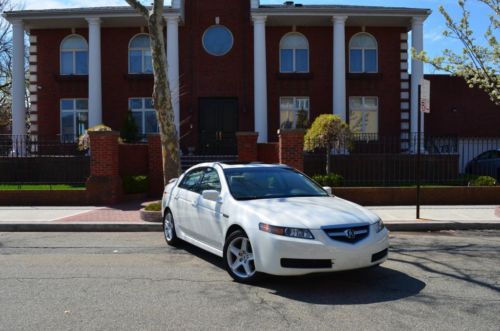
233	66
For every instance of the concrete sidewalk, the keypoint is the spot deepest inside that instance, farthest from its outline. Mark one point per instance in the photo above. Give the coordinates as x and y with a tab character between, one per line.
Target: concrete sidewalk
125	217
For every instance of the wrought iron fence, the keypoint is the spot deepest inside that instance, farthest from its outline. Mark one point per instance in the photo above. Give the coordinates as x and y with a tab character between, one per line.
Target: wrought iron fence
42	160
374	160
34	146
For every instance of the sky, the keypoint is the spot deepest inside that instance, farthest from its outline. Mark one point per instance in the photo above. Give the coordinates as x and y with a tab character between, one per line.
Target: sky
434	42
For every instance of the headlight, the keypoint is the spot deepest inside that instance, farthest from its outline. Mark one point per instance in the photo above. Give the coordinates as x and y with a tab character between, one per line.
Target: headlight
379	226
287	232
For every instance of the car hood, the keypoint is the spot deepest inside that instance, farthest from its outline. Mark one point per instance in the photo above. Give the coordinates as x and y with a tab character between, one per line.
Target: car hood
309	212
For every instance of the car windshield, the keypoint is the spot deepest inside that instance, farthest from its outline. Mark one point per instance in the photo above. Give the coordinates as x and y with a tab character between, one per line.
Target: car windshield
269	183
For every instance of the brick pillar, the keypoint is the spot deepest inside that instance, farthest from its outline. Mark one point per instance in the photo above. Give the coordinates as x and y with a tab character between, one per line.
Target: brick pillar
247	146
155	165
291	148
104	185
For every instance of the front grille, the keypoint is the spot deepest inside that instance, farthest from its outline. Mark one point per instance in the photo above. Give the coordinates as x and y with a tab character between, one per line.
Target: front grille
306	264
380	255
350	234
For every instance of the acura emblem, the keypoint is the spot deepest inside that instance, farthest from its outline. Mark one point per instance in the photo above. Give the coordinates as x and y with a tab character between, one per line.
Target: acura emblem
349	233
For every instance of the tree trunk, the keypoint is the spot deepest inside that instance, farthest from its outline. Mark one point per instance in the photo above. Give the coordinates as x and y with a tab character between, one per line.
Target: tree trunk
162	98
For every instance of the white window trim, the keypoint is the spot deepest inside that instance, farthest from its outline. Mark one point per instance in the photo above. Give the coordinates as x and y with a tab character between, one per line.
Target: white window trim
142	49
294	52
364	110
363	49
143	111
73	111
295	98
73	55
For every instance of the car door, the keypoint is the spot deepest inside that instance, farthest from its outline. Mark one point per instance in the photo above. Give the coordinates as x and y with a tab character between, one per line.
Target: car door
186	201
210	219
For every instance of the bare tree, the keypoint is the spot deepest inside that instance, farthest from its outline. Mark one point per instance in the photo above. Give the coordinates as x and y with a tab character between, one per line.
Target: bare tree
5	65
162	97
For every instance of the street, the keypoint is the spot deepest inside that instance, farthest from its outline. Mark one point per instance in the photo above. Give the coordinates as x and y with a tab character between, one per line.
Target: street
133	281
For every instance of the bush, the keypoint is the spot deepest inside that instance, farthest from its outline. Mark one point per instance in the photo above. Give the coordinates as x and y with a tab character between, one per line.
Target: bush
483	181
135	184
129	132
331	180
155	206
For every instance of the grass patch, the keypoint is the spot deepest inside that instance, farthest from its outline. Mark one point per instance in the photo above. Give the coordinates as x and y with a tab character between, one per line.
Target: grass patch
155	206
40	187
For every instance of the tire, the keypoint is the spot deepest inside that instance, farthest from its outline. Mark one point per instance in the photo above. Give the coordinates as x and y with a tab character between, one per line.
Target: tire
239	259
169	230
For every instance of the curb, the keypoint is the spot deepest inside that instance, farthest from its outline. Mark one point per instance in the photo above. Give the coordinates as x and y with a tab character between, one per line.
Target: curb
440	226
33	227
157	227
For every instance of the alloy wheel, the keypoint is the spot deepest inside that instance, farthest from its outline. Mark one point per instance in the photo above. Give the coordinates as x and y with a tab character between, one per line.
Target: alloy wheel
240	257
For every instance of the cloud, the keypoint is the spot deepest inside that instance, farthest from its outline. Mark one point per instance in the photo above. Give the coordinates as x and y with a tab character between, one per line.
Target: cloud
55	4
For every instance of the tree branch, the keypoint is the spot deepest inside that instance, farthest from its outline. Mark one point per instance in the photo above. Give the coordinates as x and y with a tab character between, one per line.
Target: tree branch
139	7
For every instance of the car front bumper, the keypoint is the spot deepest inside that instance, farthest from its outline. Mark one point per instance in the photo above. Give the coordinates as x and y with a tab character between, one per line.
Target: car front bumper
279	255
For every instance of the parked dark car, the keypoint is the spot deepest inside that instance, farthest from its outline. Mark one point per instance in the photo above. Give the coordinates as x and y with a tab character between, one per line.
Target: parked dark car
485	164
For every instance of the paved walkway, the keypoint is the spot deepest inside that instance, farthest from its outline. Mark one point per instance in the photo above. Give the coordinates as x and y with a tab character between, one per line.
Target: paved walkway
127	215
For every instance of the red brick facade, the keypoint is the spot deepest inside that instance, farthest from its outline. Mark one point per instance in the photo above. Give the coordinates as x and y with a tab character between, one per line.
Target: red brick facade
231	76
203	75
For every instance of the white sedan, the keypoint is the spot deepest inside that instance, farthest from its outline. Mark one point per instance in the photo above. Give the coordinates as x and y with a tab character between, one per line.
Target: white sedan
270	219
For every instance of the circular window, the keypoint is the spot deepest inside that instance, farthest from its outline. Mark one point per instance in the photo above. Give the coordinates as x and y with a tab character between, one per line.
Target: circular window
218	40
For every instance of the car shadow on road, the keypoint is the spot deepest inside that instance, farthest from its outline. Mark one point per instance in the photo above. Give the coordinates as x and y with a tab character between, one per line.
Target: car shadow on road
364	286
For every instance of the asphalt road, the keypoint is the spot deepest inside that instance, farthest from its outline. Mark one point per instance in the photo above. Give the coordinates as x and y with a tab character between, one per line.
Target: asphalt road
133	281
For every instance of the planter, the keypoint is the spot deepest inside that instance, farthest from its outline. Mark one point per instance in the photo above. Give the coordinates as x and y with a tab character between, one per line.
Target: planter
151	216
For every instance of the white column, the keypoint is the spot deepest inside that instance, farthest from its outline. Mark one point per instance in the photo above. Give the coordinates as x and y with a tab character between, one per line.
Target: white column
95	85
260	77
417	70
18	82
173	65
339	78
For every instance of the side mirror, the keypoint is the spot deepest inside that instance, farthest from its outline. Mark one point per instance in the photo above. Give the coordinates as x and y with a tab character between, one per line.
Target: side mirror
328	189
210	195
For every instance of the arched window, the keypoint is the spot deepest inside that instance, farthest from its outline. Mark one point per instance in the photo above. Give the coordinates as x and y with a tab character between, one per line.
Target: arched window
294	53
363	56
74	56
139	55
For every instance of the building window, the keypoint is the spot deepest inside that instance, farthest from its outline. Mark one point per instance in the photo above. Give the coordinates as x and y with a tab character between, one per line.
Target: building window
74	118
218	40
74	56
363	56
139	55
363	115
144	115
294	53
294	112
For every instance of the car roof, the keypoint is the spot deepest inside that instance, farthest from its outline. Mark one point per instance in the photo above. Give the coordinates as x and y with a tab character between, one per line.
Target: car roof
239	166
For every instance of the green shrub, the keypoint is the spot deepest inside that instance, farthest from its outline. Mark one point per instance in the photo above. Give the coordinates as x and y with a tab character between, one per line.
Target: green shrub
129	132
155	206
135	184
483	181
332	180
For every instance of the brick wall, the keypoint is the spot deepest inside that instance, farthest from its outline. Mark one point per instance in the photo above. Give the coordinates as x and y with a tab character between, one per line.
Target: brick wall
291	148
247	146
133	159
104	185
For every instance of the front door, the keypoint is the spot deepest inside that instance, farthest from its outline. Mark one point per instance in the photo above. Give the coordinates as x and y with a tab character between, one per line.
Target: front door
218	126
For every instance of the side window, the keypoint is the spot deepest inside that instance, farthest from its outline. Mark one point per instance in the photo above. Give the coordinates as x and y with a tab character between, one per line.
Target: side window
190	182
210	181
